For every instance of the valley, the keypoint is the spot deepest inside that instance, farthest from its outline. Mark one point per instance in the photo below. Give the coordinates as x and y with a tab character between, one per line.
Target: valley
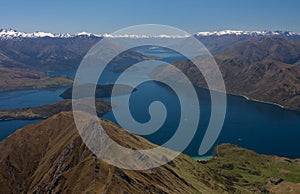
149	97
49	156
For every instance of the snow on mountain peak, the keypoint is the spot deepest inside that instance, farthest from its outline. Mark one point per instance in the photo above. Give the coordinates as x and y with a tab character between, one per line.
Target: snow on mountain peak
253	33
10	33
87	34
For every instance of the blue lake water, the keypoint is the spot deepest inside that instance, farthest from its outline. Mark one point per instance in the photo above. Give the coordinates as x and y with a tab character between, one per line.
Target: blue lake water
261	127
22	99
27	98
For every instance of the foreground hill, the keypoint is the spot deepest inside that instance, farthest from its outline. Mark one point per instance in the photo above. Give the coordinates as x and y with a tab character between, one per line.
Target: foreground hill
266	70
50	157
254	172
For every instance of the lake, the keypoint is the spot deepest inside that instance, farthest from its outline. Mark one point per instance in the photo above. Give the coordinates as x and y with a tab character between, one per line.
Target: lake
22	99
264	128
257	126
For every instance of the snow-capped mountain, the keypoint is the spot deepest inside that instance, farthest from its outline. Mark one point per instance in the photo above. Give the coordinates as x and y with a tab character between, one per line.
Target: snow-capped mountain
10	33
250	33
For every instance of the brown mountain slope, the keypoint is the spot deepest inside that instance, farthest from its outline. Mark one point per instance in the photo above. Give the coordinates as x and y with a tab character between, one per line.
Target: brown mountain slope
50	157
53	54
277	49
264	70
44	54
12	79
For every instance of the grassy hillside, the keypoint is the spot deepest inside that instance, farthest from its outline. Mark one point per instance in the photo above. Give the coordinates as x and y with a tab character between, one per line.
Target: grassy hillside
50	157
252	172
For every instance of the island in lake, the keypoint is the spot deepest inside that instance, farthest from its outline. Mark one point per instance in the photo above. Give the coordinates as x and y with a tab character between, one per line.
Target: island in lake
101	91
45	111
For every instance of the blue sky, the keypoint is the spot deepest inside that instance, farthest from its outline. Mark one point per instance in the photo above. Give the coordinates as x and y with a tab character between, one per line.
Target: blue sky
109	16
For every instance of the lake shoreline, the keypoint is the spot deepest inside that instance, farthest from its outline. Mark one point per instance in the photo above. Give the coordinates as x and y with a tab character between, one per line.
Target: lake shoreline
202	158
261	101
247	98
252	99
48	110
36	88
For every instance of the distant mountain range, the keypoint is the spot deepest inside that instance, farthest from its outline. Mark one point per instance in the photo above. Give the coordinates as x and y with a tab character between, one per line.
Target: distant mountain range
10	33
261	65
248	33
50	53
44	51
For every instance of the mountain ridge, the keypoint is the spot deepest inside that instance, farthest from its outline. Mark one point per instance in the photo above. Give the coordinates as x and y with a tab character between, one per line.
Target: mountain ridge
264	70
11	33
50	157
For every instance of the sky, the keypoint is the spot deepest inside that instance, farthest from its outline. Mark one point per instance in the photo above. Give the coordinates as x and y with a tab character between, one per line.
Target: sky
107	16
